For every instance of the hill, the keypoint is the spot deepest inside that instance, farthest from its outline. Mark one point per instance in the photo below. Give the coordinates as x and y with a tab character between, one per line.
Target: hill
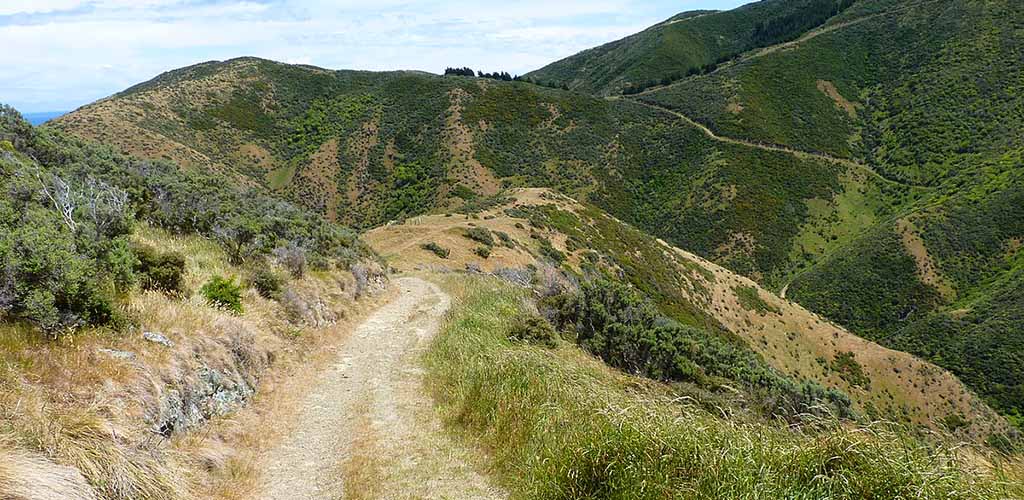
538	228
926	94
853	160
687	44
367	148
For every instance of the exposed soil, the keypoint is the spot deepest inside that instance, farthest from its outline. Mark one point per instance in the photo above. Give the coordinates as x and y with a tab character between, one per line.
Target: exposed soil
366	428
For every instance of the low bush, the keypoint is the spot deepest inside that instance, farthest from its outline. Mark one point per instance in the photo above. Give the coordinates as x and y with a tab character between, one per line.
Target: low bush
620	325
505	239
267	282
533	329
480	235
484	252
224	293
161	271
550	252
436	249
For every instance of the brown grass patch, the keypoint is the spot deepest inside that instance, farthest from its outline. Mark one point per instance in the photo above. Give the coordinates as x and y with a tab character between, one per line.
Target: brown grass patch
828	88
927	270
458	139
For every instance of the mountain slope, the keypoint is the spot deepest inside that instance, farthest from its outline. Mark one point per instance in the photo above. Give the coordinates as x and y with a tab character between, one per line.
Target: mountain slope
881	382
367	148
925	94
688	43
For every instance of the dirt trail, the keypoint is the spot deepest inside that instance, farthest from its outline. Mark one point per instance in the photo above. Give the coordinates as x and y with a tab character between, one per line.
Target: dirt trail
777	147
366	429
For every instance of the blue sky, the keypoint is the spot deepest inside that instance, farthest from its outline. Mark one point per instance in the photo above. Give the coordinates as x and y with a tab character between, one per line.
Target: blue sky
60	54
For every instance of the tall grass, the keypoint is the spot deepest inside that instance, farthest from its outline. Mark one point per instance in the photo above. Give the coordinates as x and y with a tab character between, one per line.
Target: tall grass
559	424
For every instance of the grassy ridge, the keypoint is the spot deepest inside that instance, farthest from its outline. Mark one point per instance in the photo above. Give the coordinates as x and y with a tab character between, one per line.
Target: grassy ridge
684	44
370	148
559	424
925	84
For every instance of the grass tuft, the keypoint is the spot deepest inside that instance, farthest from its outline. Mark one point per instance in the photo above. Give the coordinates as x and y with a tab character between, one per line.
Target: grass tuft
559	424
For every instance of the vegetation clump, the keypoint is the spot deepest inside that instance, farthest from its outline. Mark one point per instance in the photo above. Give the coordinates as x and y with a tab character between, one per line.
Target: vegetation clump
846	365
483	251
620	325
751	300
532	328
550	252
436	249
267	282
157	270
480	235
224	293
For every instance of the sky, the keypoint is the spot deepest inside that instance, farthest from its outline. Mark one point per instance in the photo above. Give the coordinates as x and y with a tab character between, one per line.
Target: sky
61	54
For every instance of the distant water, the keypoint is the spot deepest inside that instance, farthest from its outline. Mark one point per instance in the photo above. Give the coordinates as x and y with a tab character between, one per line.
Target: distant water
44	116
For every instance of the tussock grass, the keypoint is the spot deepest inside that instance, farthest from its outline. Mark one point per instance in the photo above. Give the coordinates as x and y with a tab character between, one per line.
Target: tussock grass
559	424
65	405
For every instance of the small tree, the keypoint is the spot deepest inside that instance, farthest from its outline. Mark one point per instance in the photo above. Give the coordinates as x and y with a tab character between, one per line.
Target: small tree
224	293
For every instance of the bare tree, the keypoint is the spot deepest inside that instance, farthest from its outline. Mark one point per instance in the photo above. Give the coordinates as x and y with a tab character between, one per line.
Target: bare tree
106	206
362	275
293	257
59	192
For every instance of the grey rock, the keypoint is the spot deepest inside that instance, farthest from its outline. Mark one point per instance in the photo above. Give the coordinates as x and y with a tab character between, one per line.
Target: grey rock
157	338
125	355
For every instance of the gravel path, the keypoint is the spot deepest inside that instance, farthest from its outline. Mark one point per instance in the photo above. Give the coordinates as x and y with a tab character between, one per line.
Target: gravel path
366	429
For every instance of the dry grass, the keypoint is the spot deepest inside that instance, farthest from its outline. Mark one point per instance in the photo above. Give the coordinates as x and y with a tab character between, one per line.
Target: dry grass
363	469
789	337
561	425
68	401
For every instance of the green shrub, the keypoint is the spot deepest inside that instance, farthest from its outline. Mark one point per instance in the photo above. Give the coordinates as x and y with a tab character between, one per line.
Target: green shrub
750	299
846	365
484	252
437	250
159	271
620	325
550	252
505	239
480	235
223	293
533	329
267	282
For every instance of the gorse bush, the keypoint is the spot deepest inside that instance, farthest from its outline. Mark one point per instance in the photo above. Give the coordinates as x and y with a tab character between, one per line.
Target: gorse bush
267	282
68	208
620	325
480	235
159	270
225	293
533	329
63	240
557	426
436	249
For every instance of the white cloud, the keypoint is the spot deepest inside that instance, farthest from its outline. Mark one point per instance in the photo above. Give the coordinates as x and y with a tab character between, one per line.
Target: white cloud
69	52
10	7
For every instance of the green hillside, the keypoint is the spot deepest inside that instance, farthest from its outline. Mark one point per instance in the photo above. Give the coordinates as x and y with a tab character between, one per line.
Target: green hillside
368	148
858	157
684	45
927	95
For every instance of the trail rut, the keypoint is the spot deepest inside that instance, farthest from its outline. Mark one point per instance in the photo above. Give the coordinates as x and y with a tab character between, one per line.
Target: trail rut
366	429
